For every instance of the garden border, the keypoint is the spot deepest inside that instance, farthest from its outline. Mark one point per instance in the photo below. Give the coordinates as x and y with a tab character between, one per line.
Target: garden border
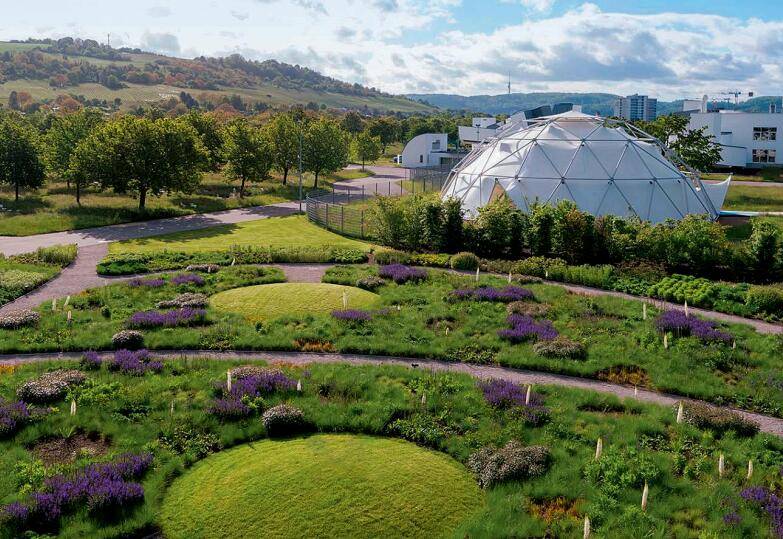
767	424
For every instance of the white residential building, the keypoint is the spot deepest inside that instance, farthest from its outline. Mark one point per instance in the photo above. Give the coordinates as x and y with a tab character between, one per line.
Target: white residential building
428	150
749	139
636	107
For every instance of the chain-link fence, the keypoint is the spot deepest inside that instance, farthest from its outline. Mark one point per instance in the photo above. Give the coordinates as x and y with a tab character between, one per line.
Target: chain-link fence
346	208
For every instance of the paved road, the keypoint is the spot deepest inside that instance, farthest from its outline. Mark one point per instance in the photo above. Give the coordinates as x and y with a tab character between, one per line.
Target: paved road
10	245
771	425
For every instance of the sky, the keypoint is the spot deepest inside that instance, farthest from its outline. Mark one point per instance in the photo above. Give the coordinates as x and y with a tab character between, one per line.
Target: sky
662	48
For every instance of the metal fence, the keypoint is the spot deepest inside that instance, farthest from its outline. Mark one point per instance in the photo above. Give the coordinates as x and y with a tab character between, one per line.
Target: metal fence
344	209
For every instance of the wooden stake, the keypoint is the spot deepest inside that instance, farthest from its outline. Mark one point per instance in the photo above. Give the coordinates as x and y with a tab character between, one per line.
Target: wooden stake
644	311
233	261
666	341
67	301
73	406
750	469
299	386
424	399
586	534
69	317
721	465
635	392
680	411
509	277
171	408
599	448
645	494
54	304
527	394
686	307
345	300
228	381
734	344
478	269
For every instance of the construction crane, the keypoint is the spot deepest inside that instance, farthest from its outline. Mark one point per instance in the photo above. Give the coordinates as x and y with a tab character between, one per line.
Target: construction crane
736	94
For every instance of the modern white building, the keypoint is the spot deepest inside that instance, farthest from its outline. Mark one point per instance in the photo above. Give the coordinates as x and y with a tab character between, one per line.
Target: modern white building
748	139
636	107
606	167
429	150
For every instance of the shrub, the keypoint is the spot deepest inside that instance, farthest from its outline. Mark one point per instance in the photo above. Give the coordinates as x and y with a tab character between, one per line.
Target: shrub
50	387
203	268
188	299
560	347
507	294
250	384
402	274
524	328
618	470
13	415
765	300
149	283
527	308
186	316
384	257
464	261
134	363
435	260
538	266
719	420
190	440
127	339
188	278
676	322
284	420
371	283
513	461
56	255
420	428
91	361
18	319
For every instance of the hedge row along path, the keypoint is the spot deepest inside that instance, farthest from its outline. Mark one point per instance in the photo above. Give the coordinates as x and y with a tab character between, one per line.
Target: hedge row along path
768	424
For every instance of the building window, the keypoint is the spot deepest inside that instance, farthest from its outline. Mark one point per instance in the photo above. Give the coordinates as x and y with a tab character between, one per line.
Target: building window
764	156
765	133
421	158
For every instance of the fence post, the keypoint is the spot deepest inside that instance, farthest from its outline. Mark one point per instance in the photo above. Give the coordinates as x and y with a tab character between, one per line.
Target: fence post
342	219
362	224
327	216
332	194
389	184
362	191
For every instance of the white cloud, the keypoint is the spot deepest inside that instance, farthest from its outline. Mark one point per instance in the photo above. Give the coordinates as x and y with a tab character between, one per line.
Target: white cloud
163	43
540	6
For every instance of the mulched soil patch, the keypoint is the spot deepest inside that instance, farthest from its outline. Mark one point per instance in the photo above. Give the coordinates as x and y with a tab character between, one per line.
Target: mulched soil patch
66	450
625	374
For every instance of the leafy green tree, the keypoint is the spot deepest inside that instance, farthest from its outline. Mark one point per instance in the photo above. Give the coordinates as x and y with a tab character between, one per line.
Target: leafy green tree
352	122
141	155
386	128
64	135
325	148
20	162
572	234
697	149
248	153
210	132
365	148
764	248
284	134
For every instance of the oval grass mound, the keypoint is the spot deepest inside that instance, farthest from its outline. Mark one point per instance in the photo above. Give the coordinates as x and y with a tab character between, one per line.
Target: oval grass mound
329	485
266	301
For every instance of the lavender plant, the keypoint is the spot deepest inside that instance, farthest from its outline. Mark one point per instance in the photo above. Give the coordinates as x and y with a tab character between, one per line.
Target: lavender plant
400	273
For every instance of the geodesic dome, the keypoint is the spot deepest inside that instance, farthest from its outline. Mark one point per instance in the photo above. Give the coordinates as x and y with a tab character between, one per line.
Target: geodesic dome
604	166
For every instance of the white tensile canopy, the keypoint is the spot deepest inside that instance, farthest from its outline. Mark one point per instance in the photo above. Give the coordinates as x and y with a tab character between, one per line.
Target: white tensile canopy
606	167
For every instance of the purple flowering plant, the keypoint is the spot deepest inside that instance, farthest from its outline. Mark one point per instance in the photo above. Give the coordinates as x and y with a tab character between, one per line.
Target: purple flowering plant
683	326
770	502
400	273
507	294
187	316
504	394
149	283
13	415
524	328
247	392
134	362
188	278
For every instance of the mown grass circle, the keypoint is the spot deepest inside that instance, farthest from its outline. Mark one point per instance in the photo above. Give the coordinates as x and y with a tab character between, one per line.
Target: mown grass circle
264	302
322	486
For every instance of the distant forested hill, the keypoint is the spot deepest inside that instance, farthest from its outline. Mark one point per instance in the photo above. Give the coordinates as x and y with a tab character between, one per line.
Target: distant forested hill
595	103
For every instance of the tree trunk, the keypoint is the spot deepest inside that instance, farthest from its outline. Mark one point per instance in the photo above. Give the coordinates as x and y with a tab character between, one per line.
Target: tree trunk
78	193
285	176
362	165
242	188
142	199
67	182
315	183
16	189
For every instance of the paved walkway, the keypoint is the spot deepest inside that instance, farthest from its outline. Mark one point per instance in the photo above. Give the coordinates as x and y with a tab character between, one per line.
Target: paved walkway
771	425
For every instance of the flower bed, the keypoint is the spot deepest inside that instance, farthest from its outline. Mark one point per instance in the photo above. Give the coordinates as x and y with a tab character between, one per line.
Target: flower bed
524	328
681	325
507	294
503	394
186	316
188	278
250	384
400	273
135	363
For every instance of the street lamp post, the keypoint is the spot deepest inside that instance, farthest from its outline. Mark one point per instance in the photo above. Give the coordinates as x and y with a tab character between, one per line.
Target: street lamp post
300	167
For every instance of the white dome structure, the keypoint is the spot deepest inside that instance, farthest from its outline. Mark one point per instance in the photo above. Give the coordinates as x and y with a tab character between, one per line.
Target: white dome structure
604	166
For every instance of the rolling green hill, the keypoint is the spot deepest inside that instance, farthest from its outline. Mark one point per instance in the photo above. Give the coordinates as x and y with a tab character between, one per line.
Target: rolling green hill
47	69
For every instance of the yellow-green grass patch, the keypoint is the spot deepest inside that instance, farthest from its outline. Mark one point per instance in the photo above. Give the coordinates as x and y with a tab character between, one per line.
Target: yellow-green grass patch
322	486
269	301
294	231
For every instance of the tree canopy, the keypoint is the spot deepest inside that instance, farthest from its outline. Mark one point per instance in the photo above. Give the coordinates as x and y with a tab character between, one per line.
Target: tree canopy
697	149
64	135
325	148
20	164
248	153
365	148
284	134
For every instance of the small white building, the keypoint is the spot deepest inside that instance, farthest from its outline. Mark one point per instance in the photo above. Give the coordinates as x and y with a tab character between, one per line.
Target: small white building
428	150
748	139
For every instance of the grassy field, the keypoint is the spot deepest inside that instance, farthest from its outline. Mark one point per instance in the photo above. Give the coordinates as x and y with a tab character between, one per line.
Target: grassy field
267	302
743	197
294	231
22	273
322	486
720	176
53	208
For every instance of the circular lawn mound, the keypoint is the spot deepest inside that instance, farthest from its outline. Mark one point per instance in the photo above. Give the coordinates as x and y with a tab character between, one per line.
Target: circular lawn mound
328	485
267	301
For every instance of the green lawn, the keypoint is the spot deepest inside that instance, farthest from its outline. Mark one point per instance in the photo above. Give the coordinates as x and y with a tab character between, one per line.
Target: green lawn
53	208
271	301
328	485
720	176
22	273
744	197
294	231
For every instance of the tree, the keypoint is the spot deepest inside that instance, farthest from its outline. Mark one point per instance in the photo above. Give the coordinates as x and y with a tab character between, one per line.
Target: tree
325	148
210	132
141	155
694	147
284	134
352	123
764	248
61	140
248	153
365	148
386	128
20	164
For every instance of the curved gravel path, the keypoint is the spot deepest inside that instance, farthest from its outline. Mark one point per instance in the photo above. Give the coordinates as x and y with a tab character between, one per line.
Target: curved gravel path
768	424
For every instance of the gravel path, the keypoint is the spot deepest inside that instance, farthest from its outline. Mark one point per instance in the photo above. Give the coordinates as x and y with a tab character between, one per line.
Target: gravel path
771	425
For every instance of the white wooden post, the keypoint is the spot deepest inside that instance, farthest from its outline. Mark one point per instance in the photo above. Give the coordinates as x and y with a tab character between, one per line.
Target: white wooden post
680	412
645	495
599	448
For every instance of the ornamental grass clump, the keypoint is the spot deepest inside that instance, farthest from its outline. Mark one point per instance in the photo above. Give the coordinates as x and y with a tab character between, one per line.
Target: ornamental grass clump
134	363
524	328
188	278
51	386
188	299
149	283
127	339
681	325
400	273
101	488
284	420
507	294
718	420
511	462
19	319
186	316
561	347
